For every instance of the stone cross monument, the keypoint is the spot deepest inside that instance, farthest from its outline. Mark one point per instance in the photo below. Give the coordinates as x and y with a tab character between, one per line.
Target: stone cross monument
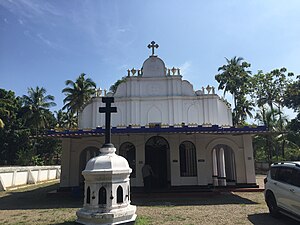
107	110
107	186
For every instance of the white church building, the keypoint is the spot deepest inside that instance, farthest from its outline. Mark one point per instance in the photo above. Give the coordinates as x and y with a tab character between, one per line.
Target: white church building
186	136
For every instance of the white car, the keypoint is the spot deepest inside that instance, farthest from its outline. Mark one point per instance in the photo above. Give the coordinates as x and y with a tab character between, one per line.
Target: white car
282	189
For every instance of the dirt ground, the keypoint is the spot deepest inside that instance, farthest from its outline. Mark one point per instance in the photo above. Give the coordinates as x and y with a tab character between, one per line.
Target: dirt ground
31	205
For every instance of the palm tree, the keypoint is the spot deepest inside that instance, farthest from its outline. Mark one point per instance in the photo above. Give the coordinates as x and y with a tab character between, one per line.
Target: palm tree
36	107
243	109
79	93
71	120
59	118
65	120
234	78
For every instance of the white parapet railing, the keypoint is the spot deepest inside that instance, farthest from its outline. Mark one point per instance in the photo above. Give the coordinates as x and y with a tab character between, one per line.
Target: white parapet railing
21	175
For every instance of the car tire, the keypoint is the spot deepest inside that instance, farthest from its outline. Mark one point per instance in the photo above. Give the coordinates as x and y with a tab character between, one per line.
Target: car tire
272	205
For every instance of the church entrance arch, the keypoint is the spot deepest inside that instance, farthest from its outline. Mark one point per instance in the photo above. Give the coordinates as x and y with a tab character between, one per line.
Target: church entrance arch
157	151
224	166
85	156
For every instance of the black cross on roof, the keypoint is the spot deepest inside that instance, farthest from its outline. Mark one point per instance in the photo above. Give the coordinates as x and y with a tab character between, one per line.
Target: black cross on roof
153	45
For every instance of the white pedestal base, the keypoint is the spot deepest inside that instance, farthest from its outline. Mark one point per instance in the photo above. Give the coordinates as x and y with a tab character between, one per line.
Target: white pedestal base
114	217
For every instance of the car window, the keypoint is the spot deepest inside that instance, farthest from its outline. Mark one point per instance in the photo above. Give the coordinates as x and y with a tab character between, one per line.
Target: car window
273	173
296	178
285	175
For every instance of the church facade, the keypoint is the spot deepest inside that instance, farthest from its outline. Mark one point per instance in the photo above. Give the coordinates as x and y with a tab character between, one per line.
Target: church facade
186	136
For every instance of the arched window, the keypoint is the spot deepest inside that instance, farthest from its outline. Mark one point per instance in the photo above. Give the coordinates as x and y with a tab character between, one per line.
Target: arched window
188	162
120	195
88	195
127	150
102	196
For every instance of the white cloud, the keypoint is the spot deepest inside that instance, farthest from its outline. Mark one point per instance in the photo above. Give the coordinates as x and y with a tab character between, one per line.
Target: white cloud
46	41
186	68
30	8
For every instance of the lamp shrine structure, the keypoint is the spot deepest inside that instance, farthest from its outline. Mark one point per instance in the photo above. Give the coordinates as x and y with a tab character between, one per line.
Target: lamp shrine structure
107	186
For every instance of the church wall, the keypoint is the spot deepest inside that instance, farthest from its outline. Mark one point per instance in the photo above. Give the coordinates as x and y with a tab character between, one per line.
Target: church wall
86	117
214	111
97	118
187	88
204	143
174	158
226	116
249	159
65	163
206	109
204	170
74	165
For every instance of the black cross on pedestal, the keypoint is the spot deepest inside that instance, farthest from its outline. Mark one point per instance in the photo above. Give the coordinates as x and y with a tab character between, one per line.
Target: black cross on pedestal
107	110
153	45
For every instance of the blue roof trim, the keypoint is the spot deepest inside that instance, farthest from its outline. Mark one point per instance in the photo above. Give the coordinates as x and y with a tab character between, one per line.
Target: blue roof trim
214	129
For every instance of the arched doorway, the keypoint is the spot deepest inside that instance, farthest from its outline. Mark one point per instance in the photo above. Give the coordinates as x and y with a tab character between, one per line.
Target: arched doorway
85	156
156	155
224	167
127	150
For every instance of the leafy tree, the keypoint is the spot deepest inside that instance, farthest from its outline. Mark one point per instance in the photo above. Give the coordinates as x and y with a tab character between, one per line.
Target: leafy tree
292	100
12	136
269	88
49	150
278	137
18	114
292	95
234	77
294	125
269	92
78	93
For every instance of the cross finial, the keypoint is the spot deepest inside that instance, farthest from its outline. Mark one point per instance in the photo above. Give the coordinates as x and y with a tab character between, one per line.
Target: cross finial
107	110
153	45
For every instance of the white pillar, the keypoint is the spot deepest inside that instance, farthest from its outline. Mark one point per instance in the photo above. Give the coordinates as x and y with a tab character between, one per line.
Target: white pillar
215	168
222	175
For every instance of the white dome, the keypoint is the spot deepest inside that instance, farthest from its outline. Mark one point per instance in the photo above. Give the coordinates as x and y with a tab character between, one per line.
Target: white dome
107	161
154	67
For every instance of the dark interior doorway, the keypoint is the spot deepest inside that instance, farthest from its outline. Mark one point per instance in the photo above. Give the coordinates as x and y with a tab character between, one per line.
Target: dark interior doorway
156	150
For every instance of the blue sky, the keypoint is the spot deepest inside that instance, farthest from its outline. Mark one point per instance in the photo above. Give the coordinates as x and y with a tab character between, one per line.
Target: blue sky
44	43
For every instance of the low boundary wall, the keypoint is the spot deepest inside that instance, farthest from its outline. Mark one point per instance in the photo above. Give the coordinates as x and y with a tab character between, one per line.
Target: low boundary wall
262	166
22	175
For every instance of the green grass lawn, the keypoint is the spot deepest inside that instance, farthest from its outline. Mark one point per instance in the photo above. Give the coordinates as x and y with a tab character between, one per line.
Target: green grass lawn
31	205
